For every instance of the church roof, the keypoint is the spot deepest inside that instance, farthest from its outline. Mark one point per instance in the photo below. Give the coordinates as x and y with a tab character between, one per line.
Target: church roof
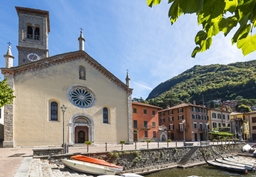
63	58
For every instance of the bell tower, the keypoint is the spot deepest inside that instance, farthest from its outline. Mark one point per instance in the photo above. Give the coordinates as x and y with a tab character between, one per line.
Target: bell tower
34	28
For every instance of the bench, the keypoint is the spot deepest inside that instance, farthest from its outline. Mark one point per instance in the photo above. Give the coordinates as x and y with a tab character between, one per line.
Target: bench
47	151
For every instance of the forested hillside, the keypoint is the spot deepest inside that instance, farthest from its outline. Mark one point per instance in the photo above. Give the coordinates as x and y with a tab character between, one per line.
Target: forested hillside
205	83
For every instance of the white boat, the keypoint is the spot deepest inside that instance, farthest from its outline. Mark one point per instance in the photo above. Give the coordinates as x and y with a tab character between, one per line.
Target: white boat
122	175
90	168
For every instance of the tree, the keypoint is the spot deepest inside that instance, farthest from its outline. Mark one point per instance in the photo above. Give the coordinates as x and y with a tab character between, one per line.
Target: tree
217	16
6	93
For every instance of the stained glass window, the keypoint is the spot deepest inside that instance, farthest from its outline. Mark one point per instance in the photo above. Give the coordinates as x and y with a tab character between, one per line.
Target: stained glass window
54	111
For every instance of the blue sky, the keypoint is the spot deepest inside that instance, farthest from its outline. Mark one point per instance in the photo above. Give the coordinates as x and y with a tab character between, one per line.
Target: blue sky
122	35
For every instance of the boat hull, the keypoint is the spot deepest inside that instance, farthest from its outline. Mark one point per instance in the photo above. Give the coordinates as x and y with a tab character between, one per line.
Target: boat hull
90	168
96	161
227	167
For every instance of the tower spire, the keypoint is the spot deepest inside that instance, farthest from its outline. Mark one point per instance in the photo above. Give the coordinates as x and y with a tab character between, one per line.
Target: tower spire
81	40
127	79
9	57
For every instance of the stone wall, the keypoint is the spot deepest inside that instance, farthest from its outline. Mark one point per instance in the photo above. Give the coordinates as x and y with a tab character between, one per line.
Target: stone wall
151	160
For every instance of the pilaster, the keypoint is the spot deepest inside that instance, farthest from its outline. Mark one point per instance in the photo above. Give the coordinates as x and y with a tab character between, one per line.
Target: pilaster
8	118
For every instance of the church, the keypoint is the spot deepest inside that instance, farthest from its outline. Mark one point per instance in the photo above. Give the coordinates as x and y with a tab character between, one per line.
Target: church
67	98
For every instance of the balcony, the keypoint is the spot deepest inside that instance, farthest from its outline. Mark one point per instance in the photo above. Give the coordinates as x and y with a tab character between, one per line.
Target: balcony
142	127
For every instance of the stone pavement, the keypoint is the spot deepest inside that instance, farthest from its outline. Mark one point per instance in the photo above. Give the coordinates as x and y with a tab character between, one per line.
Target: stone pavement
18	162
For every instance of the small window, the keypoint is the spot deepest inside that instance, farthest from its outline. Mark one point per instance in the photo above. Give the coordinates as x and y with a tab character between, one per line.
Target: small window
195	124
171	119
180	117
54	111
145	124
219	116
193	116
29	32
219	124
153	124
145	111
170	111
162	120
213	115
181	127
171	126
214	125
180	110
82	74
134	110
135	124
37	34
146	134
154	134
153	112
201	127
105	115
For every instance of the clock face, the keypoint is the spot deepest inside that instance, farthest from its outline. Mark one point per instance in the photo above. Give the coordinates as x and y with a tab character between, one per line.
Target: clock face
33	57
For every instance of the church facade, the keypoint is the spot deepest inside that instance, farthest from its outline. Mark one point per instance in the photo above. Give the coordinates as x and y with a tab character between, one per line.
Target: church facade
67	98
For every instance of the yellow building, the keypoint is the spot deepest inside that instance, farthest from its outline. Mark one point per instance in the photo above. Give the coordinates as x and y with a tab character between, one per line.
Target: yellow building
98	105
240	125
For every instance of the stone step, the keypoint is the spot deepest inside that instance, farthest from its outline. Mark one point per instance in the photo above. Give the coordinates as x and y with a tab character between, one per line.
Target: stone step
46	169
35	169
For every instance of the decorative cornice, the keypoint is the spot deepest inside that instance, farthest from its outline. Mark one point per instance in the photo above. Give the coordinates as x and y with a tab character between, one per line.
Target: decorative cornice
64	58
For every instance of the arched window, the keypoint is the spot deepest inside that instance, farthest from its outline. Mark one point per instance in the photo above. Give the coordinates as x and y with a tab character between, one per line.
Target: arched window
29	32
213	115
82	74
54	111
37	33
105	115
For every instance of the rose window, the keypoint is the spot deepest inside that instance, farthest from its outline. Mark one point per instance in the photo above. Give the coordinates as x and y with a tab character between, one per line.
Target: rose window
81	97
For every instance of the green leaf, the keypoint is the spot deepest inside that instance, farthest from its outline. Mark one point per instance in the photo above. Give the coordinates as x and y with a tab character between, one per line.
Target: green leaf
247	44
227	24
231	5
241	33
201	35
191	6
205	44
213	8
150	3
195	51
174	12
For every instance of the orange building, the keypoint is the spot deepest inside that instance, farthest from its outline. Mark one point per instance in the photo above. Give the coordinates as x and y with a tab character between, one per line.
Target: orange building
145	122
185	119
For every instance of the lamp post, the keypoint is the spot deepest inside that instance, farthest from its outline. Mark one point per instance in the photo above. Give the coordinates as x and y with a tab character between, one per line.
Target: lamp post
206	129
183	122
63	108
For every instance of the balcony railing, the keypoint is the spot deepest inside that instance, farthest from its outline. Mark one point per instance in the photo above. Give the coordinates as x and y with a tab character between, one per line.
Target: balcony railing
142	127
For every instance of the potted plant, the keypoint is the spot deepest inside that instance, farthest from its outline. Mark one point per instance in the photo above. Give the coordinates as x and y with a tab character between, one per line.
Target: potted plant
87	144
148	141
122	142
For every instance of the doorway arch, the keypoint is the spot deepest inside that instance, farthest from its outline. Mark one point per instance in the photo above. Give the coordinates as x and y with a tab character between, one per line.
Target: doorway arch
81	129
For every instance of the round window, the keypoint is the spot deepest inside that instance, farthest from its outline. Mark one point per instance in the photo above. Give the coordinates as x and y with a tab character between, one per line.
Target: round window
81	97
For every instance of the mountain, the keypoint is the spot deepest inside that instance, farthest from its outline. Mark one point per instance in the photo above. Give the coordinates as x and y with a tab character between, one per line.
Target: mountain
205	83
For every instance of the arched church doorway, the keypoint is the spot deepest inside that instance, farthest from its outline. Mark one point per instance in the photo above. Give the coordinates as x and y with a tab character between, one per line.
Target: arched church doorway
81	134
81	129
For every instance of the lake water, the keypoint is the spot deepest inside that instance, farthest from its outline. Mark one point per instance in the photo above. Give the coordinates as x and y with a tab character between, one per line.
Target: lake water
202	171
